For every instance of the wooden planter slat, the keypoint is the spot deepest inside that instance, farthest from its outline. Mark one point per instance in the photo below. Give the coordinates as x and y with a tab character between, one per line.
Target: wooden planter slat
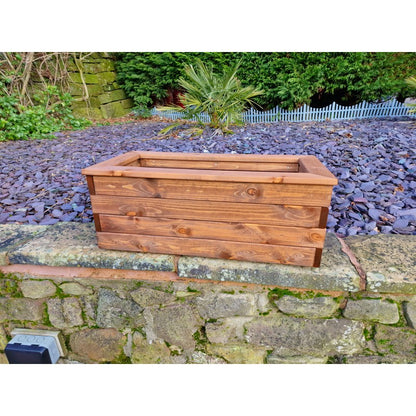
230	250
268	208
262	193
214	230
208	210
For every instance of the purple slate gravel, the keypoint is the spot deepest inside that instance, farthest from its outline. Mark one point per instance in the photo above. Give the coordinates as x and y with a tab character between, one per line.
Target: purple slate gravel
374	161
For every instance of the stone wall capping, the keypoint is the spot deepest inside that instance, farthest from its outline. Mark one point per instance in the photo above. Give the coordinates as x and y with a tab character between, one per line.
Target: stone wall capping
196	310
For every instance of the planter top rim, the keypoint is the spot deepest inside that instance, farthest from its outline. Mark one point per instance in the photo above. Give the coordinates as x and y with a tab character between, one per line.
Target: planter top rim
311	170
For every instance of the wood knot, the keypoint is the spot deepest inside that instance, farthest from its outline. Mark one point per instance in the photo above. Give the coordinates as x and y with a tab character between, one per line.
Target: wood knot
183	230
131	213
252	191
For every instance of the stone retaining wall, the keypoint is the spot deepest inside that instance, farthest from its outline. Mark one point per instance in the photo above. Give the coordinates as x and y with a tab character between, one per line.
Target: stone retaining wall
94	88
119	307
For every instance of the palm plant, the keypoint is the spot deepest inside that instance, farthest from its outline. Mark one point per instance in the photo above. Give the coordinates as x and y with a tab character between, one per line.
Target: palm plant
221	97
412	82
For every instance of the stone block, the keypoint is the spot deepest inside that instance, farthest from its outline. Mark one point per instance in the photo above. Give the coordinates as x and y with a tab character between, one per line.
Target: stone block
93	66
226	330
115	95
155	353
99	345
65	313
378	359
335	273
221	305
74	244
148	297
92	113
395	341
100	78
289	336
13	236
3	339
175	324
89	306
375	310
75	289
36	289
239	354
20	309
388	260
115	312
3	359
410	313
79	90
115	109
297	359
79	102
199	357
318	307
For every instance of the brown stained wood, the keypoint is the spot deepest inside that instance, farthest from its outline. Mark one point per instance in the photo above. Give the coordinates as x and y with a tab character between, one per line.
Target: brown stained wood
208	211
210	175
250	233
120	160
218	165
324	217
91	186
317	259
229	250
217	157
97	222
281	194
311	164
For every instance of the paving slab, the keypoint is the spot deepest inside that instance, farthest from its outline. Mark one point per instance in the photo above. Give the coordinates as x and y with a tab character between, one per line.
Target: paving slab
75	245
13	236
336	272
389	261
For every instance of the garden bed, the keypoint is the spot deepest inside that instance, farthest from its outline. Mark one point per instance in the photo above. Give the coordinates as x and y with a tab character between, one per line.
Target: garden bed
373	160
241	207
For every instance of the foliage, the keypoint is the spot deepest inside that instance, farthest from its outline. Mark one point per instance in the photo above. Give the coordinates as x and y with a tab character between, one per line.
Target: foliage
50	112
288	79
412	82
221	97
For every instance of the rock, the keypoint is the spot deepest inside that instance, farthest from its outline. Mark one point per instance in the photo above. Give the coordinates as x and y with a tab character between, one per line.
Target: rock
395	340
115	312
3	339
318	307
222	305
297	359
155	353
199	357
149	297
239	353
388	261
175	324
74	288
3	359
65	313
20	309
36	289
99	345
226	330
290	336
375	310
410	313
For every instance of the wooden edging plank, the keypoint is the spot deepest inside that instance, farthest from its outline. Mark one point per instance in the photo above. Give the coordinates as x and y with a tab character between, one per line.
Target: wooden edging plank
282	194
231	250
207	211
250	233
210	175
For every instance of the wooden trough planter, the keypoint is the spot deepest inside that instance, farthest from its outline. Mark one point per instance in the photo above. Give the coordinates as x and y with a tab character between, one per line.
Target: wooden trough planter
259	208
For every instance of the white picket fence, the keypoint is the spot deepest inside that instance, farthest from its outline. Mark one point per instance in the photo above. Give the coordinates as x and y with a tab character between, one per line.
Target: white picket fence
390	108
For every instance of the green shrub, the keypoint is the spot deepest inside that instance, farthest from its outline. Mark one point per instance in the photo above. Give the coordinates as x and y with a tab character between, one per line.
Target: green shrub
412	83
51	113
287	79
221	97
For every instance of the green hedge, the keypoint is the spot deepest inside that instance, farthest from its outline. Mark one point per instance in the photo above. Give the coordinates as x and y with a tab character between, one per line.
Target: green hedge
288	79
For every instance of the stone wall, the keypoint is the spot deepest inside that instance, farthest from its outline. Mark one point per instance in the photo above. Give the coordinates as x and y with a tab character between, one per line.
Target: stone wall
94	88
119	307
